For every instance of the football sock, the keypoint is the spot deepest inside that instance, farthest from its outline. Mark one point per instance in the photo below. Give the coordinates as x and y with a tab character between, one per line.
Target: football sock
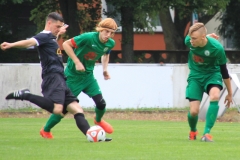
211	116
99	114
192	121
81	122
52	121
40	101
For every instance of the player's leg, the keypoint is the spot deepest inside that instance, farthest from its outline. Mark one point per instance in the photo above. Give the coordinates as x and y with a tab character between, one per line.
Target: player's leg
212	112
100	109
93	90
53	120
79	117
43	102
194	92
213	86
193	118
53	88
74	83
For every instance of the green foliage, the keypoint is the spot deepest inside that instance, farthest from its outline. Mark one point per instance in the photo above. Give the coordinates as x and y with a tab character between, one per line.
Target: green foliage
230	23
89	14
143	13
38	14
2	2
146	10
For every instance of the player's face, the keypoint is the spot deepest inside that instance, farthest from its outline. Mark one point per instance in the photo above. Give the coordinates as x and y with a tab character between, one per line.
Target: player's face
55	27
105	34
196	39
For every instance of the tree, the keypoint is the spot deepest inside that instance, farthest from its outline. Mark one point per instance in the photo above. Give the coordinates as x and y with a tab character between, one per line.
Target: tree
173	31
230	23
133	15
80	15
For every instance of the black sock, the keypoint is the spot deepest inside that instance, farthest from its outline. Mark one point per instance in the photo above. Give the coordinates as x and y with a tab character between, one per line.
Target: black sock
42	102
81	122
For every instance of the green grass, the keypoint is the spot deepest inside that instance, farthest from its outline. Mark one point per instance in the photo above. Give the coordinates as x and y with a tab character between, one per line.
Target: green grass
132	140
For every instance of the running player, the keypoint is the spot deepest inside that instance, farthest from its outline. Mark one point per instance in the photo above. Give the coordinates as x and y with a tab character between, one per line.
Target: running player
88	48
57	97
207	64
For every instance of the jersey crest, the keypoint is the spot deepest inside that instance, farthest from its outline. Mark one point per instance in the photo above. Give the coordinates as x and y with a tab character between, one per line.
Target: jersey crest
206	52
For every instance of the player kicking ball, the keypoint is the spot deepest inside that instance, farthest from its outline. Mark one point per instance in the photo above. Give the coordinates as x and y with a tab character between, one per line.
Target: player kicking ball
57	97
207	64
83	51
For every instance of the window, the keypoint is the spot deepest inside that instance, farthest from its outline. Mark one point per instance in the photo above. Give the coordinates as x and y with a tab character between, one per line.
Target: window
228	44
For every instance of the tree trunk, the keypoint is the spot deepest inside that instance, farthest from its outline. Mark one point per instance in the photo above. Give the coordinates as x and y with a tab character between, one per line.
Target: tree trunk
171	36
127	34
69	12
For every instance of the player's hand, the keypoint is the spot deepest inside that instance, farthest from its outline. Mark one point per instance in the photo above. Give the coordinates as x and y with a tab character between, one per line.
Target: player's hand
228	101
79	67
63	29
213	35
5	46
106	75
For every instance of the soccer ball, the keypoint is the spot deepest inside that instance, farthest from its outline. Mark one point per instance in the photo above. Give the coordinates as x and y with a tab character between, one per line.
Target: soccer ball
96	134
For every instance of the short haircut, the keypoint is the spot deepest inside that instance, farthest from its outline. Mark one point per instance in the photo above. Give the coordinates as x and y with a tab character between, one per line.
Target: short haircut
54	16
197	27
107	23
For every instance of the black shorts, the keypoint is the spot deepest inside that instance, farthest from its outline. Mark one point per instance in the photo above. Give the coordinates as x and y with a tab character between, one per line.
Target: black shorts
54	87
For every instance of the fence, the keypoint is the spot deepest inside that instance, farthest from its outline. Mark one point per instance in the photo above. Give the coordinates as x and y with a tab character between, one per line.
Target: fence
130	86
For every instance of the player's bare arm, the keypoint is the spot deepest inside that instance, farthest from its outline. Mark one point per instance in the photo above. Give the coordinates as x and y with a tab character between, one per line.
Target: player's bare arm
68	47
213	35
19	44
105	60
228	98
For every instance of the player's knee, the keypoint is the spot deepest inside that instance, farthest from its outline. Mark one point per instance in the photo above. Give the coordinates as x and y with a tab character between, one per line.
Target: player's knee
194	112
214	97
58	109
101	104
74	108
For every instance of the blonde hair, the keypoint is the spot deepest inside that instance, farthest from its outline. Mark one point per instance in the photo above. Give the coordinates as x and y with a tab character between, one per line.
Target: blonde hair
107	23
197	27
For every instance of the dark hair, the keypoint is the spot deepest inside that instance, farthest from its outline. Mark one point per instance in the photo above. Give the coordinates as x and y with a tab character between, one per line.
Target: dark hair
55	16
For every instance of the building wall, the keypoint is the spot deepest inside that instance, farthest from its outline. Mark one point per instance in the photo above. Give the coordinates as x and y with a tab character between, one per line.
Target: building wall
143	41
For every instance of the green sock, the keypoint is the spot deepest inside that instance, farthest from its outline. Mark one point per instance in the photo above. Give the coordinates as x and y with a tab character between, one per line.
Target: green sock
99	114
211	116
192	121
52	121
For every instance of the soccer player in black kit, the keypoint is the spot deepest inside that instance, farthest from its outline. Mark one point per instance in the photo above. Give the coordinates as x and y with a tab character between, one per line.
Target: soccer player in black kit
57	98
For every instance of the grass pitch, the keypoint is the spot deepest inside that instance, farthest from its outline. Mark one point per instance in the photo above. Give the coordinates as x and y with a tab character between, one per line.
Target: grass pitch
132	140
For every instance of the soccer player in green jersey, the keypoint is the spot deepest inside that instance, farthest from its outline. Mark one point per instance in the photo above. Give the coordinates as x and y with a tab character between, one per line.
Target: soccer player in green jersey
83	51
207	64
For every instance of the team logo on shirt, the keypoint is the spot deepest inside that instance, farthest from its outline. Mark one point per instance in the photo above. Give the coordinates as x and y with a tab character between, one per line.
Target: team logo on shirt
198	59
59	52
105	49
90	56
207	53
